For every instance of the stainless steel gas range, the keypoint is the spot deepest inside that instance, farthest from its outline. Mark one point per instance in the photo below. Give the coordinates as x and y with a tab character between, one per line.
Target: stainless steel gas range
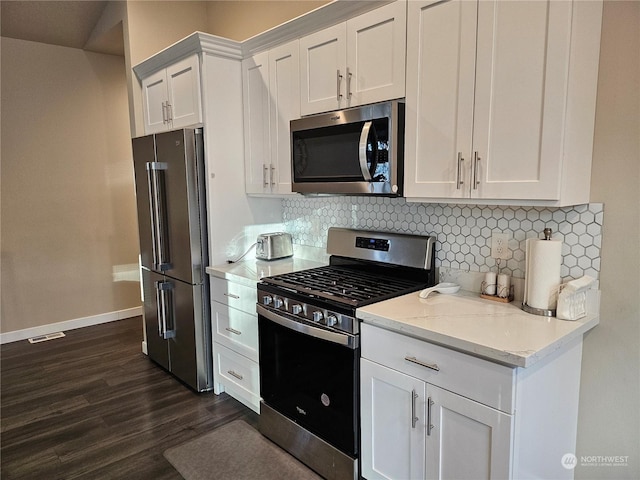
310	342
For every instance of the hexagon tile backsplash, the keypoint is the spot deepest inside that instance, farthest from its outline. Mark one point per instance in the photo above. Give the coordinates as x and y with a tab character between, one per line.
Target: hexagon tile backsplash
463	232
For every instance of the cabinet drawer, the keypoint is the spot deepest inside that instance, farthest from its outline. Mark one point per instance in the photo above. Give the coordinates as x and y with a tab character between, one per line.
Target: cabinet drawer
239	375
235	329
481	380
233	294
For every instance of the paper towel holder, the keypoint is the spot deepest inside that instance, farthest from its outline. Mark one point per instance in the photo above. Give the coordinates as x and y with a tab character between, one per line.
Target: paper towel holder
541	311
538	311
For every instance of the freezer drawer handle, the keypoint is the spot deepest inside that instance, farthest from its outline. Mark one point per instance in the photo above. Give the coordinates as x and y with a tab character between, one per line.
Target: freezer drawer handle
158	211
234	374
164	299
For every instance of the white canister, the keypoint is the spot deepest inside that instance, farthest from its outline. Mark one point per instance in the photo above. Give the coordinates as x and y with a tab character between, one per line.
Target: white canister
504	285
489	283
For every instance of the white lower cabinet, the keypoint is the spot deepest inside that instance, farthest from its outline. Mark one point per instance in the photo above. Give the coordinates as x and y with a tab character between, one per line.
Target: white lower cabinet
414	430
234	327
429	412
239	375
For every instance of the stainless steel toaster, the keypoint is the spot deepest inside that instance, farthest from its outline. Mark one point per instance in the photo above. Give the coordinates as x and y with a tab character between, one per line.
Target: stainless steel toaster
271	246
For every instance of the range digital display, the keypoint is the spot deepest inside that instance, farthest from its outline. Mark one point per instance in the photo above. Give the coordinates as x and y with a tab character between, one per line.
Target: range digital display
373	243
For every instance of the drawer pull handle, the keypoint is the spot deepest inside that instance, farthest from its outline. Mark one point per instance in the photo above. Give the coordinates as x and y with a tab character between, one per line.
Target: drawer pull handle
234	374
232	330
431	366
231	295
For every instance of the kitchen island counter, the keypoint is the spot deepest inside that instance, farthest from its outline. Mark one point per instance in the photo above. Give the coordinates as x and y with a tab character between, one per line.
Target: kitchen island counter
465	322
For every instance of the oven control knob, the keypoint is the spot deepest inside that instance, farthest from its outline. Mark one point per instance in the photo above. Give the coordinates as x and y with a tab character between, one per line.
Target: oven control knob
296	309
317	316
267	299
331	320
277	302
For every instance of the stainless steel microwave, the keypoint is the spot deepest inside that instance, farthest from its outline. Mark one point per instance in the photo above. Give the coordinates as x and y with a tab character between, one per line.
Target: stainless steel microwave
358	151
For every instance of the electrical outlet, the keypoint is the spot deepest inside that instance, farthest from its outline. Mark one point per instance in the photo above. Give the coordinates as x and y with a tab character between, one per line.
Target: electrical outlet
500	246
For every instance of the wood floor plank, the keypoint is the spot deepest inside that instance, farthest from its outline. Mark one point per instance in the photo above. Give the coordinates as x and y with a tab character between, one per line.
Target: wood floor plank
91	405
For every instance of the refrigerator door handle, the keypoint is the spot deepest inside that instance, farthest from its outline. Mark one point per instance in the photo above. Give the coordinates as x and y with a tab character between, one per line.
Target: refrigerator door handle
157	206
164	295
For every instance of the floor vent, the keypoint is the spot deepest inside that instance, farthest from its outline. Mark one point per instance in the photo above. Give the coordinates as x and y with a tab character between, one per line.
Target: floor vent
44	338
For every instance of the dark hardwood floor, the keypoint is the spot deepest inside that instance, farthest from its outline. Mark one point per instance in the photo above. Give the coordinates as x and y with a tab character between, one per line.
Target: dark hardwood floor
92	406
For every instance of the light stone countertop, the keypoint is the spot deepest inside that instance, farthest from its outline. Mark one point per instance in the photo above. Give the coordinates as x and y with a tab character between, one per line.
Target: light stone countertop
465	322
249	272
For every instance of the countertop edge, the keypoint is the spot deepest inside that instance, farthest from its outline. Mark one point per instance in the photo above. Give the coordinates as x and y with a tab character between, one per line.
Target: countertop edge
505	357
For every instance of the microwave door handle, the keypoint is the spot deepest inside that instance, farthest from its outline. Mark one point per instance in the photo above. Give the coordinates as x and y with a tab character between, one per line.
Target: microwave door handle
364	136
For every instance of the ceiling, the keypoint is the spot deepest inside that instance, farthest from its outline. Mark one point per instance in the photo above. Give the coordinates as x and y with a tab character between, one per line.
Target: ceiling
63	23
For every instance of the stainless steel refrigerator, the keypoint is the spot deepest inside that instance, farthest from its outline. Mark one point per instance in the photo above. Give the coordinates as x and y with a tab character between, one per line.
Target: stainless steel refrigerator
170	193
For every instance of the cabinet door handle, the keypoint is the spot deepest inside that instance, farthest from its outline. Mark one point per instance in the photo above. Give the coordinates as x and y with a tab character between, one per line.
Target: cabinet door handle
233	330
265	175
429	426
273	175
231	295
169	112
234	374
349	75
476	167
459	181
414	419
164	112
431	366
338	81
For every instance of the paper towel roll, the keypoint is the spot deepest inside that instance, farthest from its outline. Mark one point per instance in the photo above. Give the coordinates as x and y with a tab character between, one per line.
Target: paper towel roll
542	278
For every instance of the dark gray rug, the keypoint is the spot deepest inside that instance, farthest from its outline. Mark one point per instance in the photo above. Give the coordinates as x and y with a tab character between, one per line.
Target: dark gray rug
236	451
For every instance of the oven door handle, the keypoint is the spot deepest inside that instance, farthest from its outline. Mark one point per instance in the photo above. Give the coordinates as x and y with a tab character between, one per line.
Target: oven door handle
343	339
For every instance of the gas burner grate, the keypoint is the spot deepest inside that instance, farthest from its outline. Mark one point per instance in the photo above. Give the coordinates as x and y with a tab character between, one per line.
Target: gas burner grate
344	285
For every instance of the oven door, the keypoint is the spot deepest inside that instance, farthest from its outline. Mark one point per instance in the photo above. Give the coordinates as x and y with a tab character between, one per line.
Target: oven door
310	375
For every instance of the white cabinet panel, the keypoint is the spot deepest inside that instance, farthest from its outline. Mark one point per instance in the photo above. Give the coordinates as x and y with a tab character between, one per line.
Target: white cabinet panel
392	443
521	80
234	295
240	376
271	98
284	89
255	79
154	94
467	440
171	97
489	100
376	44
440	89
354	63
485	381
183	81
323	70
235	329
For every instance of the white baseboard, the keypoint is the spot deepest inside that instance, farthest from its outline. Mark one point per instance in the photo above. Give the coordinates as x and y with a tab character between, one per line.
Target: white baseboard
18	335
144	348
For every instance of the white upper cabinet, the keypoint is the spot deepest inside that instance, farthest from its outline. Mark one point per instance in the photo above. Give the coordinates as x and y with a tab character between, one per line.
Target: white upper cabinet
354	63
171	97
284	89
490	100
271	98
376	54
323	70
255	98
